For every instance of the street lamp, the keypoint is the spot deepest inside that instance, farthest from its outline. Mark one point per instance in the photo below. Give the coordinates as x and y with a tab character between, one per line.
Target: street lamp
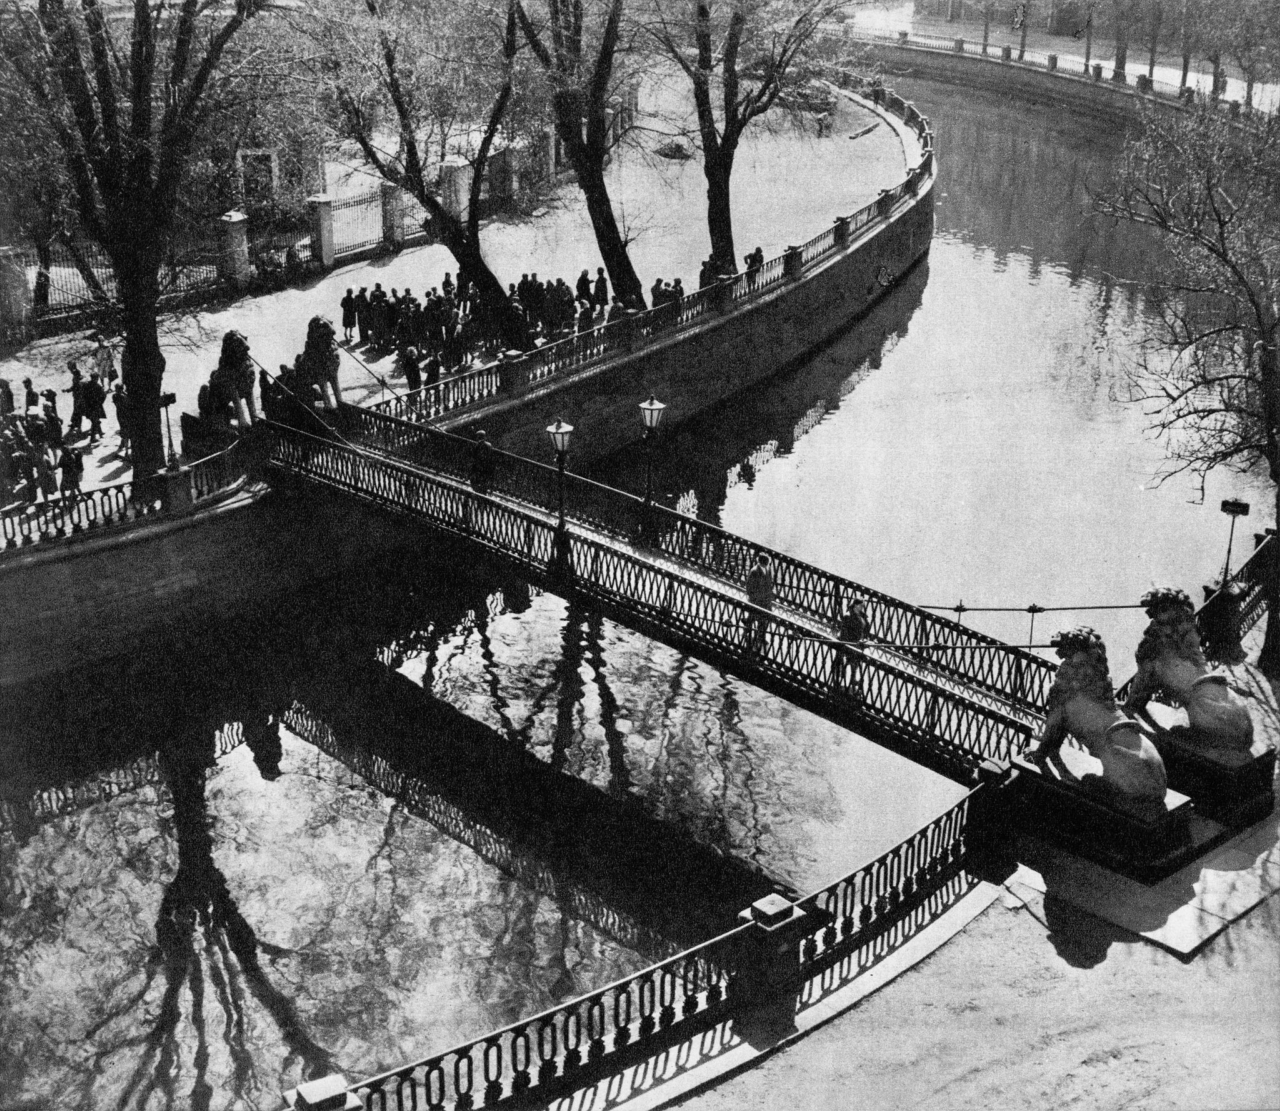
560	434
1233	509
651	415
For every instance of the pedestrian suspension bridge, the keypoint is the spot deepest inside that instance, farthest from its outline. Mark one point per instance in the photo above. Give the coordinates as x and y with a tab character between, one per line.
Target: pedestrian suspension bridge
940	693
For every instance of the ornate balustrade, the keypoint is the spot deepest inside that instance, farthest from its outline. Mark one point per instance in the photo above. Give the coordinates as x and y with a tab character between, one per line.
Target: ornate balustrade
574	1045
1018	677
103	506
623	337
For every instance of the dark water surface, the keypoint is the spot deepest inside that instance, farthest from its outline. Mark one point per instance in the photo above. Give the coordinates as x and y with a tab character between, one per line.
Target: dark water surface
402	809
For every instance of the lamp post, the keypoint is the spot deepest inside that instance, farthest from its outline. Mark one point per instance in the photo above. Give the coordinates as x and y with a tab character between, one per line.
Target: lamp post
560	434
1233	509
651	415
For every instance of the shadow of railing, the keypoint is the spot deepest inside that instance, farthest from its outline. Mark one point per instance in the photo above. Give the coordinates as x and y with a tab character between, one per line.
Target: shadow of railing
642	881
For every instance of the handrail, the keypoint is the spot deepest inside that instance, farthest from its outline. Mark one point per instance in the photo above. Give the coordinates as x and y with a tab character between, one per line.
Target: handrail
116	503
1017	676
653	325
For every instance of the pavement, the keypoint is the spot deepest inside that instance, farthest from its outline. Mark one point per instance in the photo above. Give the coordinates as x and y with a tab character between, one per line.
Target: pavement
660	204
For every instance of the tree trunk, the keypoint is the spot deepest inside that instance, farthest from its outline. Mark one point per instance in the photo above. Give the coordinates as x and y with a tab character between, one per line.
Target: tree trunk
471	263
1156	17
142	370
608	236
1269	658
718	170
1122	45
85	269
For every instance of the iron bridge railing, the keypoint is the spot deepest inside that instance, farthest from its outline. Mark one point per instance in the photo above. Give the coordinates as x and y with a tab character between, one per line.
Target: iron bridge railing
944	726
1017	677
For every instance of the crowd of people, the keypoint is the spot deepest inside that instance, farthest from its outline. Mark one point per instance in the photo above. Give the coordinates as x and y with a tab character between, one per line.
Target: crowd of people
41	458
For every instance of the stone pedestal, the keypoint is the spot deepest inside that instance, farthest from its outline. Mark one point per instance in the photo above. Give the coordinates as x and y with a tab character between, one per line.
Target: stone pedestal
842	231
724	294
175	489
903	36
958	46
513	373
392	216
233	248
770	964
792	263
1144	83
321	211
1053	63
1006	53
1097	71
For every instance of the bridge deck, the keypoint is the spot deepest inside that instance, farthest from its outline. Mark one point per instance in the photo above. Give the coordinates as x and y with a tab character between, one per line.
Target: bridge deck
901	699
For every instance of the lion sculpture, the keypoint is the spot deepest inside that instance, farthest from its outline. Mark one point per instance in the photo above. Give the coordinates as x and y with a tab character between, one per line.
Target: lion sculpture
1082	703
1170	659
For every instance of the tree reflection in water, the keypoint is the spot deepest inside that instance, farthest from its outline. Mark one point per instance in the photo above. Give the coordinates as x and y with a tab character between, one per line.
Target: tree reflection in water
200	933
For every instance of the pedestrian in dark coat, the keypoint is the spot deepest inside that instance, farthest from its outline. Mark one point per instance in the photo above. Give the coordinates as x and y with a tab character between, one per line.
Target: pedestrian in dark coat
583	290
94	397
31	399
601	298
348	304
361	305
72	467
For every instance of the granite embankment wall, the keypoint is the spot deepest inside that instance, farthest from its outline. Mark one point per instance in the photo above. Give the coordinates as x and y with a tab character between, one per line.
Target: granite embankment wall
152	586
696	369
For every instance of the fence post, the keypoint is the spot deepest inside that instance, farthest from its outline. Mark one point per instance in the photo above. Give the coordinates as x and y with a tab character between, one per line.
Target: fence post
842	231
792	263
513	372
15	294
770	959
321	209
724	293
233	247
958	46
392	216
902	37
1006	53
1053	63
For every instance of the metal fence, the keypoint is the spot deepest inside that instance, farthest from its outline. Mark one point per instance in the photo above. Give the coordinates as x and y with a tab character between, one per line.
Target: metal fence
357	223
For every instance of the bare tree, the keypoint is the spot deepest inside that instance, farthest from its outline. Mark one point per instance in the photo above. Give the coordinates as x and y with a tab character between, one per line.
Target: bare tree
435	90
740	56
1212	383
124	99
582	83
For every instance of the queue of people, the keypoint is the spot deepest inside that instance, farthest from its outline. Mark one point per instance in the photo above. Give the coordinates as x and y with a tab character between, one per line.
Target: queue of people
41	457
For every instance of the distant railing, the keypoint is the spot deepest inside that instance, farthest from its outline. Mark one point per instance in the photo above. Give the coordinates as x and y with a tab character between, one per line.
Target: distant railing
636	330
103	506
1020	678
945	725
1139	84
574	1045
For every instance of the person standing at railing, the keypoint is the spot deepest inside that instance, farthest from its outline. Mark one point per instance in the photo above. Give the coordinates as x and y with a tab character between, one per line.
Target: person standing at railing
71	465
759	591
409	368
484	463
601	294
755	263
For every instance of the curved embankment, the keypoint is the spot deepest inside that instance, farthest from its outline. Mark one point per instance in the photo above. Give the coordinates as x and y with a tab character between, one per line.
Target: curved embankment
68	602
717	342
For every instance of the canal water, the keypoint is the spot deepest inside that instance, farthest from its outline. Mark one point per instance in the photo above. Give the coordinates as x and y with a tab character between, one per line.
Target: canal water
399	810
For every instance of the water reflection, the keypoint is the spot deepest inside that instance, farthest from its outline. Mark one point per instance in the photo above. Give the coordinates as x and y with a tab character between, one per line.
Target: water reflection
389	814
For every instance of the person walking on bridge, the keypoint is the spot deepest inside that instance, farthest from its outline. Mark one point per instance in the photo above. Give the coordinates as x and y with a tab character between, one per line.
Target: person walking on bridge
759	591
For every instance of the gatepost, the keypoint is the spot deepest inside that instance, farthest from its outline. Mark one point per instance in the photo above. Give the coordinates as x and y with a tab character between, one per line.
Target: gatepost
233	248
842	231
321	210
15	295
392	216
513	373
792	263
724	293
